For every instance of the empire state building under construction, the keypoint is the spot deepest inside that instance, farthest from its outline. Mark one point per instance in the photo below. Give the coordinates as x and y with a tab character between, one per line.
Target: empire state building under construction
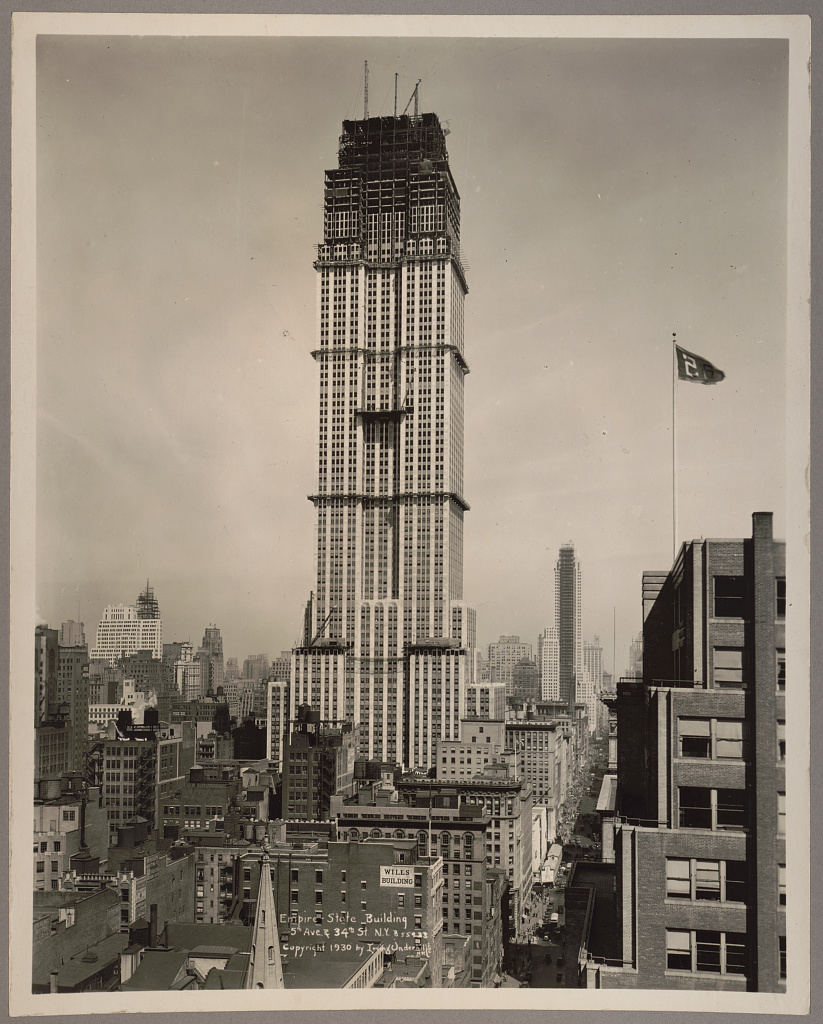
388	641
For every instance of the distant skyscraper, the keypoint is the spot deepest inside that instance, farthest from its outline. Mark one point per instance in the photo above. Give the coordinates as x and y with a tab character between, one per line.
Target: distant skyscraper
635	670
388	638
211	655
568	618
72	634
504	655
525	680
564	669
550	664
593	665
46	657
126	629
256	666
147	606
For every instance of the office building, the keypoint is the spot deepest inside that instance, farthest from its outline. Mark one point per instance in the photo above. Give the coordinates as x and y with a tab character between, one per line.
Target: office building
499	791
46	657
486	700
472	891
549	645
72	634
277	718
210	655
700	832
568	620
387	636
547	755
256	666
504	655
68	818
126	629
525	680
318	762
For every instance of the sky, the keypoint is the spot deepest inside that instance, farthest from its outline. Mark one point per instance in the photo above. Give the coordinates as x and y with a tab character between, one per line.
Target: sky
613	193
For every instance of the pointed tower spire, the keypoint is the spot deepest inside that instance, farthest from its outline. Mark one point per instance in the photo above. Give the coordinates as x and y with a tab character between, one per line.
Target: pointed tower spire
265	968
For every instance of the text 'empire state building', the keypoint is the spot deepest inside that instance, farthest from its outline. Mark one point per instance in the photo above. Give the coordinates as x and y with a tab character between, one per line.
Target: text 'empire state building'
388	641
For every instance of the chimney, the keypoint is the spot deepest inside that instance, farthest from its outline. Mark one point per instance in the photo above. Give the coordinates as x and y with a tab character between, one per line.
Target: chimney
153	926
53	981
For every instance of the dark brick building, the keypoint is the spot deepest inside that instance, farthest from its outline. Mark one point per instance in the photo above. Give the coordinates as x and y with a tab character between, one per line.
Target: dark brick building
700	845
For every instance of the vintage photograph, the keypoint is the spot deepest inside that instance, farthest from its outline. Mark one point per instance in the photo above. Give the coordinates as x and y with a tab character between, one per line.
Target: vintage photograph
409	439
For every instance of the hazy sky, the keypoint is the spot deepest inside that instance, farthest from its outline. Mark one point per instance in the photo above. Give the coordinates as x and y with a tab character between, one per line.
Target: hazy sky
613	192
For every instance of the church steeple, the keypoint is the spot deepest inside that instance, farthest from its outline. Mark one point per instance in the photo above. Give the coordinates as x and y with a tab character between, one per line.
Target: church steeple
265	968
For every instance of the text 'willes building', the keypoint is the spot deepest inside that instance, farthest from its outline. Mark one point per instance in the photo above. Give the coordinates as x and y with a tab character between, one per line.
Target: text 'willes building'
388	641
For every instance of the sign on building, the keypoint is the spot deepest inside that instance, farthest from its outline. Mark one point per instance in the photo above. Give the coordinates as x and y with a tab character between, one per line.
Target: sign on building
397	875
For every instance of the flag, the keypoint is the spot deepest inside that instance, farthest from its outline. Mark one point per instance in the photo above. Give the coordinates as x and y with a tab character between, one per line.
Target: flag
696	369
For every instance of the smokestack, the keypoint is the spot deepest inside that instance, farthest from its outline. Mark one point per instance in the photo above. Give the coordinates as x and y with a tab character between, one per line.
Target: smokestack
153	926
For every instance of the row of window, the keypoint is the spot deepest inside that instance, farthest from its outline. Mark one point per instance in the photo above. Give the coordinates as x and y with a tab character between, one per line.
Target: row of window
730	597
720	809
709	952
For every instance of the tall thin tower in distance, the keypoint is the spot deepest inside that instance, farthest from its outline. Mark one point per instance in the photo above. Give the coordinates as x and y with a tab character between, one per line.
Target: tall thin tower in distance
568	620
388	640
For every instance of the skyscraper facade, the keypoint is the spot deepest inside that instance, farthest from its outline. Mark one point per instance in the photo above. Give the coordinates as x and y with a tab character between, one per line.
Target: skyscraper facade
126	629
568	619
550	664
388	639
566	672
504	655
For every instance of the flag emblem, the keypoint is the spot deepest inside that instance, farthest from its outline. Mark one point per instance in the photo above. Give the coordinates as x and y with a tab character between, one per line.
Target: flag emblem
696	369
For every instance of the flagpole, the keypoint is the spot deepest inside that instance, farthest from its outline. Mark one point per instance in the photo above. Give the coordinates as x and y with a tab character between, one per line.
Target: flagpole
674	446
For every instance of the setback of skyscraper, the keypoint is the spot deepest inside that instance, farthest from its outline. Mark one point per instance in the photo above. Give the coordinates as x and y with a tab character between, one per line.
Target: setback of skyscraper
388	640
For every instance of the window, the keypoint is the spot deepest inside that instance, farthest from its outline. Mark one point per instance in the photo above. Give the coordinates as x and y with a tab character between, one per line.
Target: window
781	814
695	737
781	740
707	880
780	597
695	807
782	952
41	867
728	597
729	668
781	670
721	809
736	878
57	846
401	899
295	896
781	885
318	877
713	738
44	847
294	875
363	885
318	896
731	809
729	738
706	952
418	899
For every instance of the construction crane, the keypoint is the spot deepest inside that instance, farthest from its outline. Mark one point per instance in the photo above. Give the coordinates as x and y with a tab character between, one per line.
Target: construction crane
365	90
319	632
415	97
